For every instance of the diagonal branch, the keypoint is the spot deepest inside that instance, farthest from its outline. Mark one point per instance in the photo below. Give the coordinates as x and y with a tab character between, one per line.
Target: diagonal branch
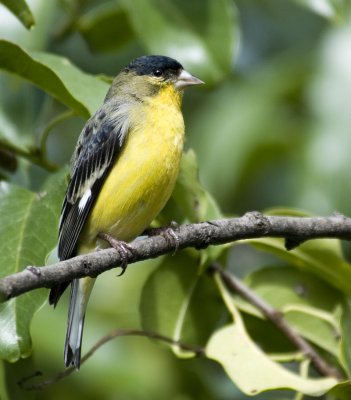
295	230
277	318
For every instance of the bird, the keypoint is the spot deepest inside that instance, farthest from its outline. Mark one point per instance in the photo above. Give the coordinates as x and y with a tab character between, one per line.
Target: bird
123	171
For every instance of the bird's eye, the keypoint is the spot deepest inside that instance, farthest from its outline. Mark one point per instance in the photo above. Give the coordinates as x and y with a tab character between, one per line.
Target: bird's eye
157	73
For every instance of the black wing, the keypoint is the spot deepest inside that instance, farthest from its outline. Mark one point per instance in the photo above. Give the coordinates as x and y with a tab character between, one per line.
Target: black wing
98	146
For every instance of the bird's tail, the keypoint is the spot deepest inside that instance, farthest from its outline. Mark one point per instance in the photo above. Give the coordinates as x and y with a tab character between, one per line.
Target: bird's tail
80	293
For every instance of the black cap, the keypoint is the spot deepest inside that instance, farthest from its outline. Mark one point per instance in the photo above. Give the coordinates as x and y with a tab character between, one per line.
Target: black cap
153	65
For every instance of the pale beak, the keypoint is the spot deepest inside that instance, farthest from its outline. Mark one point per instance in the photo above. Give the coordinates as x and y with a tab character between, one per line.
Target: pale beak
185	79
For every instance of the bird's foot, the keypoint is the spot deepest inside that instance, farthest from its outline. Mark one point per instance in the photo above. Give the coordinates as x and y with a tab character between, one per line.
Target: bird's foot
168	232
123	248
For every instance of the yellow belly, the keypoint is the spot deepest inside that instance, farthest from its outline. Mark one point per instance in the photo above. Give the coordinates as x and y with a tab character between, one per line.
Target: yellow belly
143	177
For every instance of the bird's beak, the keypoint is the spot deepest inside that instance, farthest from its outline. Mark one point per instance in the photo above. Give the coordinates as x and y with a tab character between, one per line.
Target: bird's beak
185	79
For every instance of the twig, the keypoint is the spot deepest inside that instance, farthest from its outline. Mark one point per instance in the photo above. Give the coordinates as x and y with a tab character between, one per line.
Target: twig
32	154
277	318
201	235
37	155
110	336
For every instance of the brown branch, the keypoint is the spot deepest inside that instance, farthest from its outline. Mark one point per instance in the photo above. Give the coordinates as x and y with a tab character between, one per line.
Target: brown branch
277	318
110	336
295	230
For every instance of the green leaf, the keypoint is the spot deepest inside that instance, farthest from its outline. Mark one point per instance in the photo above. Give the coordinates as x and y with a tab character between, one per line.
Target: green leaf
286	286
332	9
342	391
79	91
307	303
345	335
174	297
320	331
232	347
13	374
105	27
190	201
234	350
321	257
21	10
201	35
28	232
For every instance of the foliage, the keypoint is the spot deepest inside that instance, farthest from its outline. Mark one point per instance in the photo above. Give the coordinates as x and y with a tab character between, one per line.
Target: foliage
270	128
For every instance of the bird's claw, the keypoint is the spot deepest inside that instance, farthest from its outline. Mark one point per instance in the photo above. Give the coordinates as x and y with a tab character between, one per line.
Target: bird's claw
123	267
168	233
123	249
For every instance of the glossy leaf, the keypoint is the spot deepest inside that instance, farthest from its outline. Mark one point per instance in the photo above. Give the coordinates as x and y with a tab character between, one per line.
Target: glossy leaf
28	232
232	347
55	75
307	303
21	10
321	257
234	350
173	300
201	35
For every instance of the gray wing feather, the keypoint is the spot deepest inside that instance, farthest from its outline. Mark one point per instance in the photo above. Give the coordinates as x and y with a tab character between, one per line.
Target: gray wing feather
99	145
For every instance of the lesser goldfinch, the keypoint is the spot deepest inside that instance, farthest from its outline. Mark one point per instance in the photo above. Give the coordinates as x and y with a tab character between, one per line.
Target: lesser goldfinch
123	171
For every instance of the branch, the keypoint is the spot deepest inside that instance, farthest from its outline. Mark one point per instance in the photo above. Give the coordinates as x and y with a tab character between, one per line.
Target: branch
277	318
36	155
295	230
111	335
33	155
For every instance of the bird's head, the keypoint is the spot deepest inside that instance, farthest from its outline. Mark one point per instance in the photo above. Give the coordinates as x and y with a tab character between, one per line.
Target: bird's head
147	75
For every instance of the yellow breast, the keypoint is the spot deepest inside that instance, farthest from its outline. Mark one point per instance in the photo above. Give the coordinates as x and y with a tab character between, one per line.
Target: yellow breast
143	177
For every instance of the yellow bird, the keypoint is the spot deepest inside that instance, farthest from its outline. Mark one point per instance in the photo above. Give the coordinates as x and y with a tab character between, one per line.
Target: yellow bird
123	172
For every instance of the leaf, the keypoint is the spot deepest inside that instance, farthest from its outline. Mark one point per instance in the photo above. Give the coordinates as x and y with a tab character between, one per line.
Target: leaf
105	27
13	374
321	257
201	35
174	296
332	9
190	201
307	303
342	391
21	10
55	75
28	232
234	350
345	335
232	347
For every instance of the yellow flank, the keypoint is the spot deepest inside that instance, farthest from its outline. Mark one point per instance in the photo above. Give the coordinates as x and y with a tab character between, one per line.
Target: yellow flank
143	177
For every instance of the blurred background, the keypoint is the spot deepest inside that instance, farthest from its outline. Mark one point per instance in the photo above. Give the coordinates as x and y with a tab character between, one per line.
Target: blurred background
272	127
